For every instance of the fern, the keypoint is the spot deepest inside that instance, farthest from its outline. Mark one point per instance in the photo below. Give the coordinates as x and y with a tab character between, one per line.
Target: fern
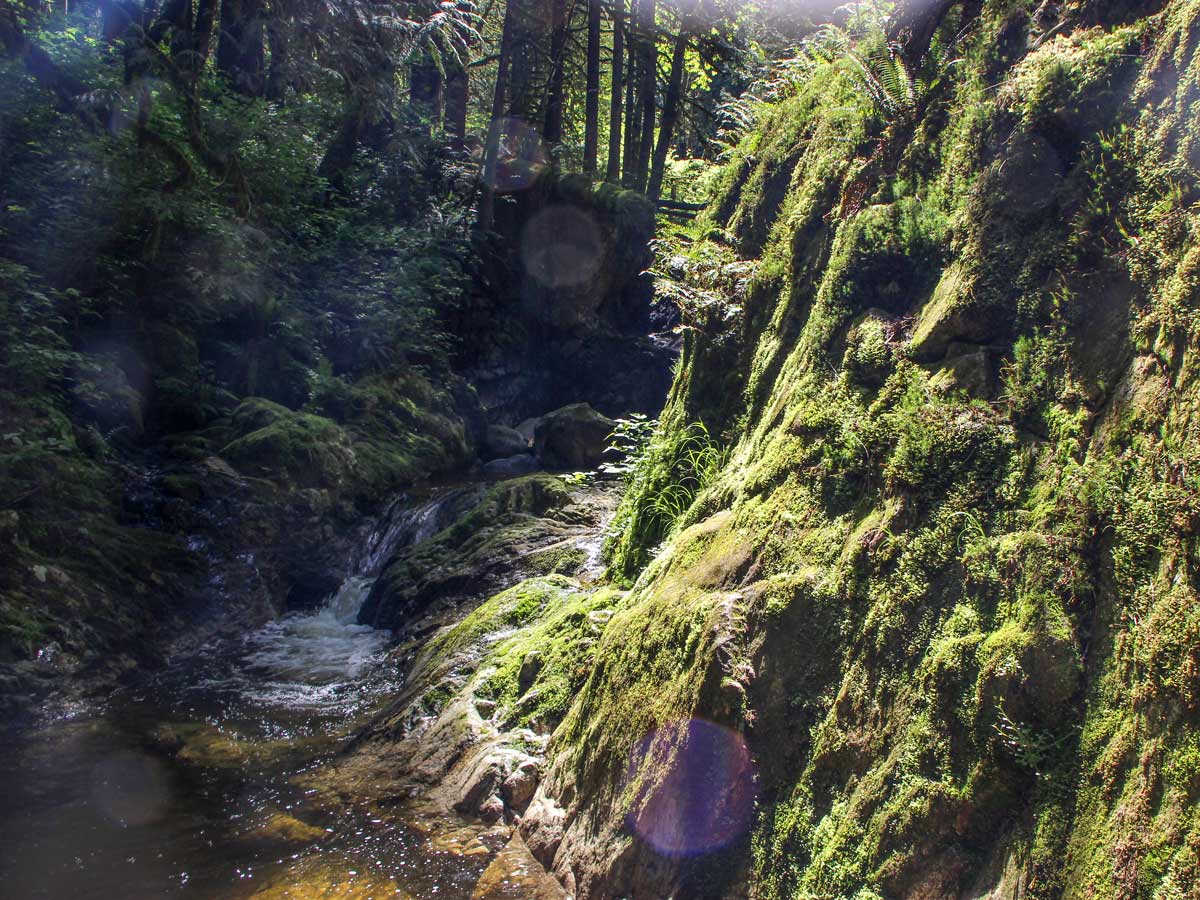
898	93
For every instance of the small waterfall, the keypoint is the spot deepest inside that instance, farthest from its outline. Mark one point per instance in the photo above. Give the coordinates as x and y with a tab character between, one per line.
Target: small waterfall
321	659
344	605
403	526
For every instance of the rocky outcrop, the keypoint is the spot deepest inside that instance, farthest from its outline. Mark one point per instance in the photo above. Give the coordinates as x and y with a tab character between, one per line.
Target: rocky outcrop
533	525
917	608
471	728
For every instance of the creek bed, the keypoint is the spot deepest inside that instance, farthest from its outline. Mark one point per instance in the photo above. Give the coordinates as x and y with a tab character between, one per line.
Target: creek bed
207	780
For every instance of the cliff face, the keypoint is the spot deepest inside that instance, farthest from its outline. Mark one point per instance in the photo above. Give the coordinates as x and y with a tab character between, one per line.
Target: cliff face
929	626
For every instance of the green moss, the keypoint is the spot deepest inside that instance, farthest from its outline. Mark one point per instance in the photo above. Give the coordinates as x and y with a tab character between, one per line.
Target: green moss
276	442
959	634
517	528
552	618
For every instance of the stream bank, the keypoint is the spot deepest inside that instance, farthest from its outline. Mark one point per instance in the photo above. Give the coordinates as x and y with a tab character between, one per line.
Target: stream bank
238	770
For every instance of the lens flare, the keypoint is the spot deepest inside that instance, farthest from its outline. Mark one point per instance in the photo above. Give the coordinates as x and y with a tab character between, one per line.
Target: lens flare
130	789
523	156
562	247
706	799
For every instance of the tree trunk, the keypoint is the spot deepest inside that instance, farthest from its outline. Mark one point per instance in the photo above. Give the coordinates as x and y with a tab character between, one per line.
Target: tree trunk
206	17
520	104
425	86
632	120
115	18
613	169
491	151
458	95
913	25
670	114
552	131
279	76
240	45
176	18
649	75
591	111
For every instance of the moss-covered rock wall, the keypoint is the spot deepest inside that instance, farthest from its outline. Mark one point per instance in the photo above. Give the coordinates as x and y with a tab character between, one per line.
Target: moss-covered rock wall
943	591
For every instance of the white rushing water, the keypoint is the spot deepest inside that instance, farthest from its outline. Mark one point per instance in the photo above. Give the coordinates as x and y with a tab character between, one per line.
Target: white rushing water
321	660
322	647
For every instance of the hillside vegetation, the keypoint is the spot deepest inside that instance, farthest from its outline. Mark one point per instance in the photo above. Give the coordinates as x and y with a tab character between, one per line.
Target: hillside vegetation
941	328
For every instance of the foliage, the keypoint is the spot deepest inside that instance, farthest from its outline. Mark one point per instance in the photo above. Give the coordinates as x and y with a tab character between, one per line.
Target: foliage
627	444
35	354
665	479
897	90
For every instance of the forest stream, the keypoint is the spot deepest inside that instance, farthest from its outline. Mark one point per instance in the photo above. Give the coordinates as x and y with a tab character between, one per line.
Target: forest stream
206	779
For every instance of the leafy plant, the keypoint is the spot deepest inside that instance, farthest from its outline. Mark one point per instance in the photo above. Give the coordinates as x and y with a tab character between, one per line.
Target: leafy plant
34	353
665	480
897	90
1031	748
627	444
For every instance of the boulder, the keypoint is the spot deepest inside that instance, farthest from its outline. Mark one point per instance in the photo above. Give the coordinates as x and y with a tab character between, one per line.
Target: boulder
501	442
952	316
518	788
511	466
528	428
542	828
573	437
107	398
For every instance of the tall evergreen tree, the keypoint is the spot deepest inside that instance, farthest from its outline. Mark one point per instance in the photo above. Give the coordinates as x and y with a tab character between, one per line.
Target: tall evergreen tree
240	54
670	112
591	114
613	168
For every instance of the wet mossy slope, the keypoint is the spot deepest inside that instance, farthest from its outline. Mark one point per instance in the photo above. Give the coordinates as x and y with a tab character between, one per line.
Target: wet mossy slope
945	585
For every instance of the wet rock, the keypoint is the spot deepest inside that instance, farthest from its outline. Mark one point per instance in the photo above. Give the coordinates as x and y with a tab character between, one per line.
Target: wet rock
491	810
505	535
511	466
285	827
501	442
491	776
520	785
542	828
515	875
530	666
573	437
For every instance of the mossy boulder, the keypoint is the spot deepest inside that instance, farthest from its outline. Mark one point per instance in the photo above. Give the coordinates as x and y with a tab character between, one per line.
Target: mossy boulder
572	437
470	729
276	442
525	526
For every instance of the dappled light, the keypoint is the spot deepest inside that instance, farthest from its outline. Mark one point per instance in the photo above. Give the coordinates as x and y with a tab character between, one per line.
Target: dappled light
600	449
